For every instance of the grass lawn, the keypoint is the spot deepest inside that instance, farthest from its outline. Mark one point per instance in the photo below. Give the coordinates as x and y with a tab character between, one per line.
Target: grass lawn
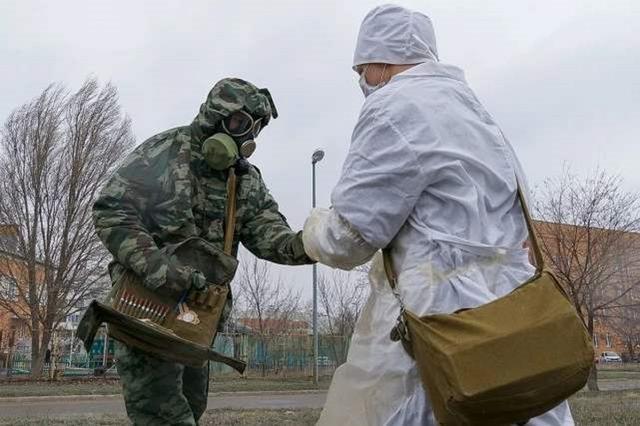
628	366
620	408
618	374
112	386
610	379
59	388
266	384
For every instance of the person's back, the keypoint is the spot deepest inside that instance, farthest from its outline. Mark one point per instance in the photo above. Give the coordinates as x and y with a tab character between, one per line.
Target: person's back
468	168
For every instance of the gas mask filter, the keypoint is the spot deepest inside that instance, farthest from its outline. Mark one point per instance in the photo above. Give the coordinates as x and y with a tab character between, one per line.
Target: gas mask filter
220	151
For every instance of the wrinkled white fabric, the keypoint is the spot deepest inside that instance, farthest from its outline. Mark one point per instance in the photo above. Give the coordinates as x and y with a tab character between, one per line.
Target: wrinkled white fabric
379	384
340	246
430	174
394	35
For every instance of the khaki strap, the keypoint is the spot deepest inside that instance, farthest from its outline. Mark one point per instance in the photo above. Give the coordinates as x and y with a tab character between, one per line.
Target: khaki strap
535	245
230	218
393	279
388	267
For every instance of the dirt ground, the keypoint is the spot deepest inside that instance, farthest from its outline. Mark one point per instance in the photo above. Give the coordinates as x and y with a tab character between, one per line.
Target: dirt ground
211	418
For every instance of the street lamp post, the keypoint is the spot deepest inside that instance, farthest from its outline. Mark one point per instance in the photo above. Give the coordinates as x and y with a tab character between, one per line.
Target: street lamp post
317	156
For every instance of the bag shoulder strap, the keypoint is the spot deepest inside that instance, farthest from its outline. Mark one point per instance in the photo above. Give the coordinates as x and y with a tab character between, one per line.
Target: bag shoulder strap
535	246
230	216
388	268
533	238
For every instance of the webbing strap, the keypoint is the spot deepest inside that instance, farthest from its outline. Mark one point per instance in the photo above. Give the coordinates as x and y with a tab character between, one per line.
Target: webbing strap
230	217
388	267
535	245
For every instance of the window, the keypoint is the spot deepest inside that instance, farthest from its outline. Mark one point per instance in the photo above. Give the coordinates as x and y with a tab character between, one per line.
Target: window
608	339
595	340
8	288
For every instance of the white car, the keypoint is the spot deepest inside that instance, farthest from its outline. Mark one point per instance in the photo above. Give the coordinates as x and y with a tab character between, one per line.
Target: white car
610	357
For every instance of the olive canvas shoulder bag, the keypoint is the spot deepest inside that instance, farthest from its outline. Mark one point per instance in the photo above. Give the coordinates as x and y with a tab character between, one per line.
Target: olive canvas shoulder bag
503	362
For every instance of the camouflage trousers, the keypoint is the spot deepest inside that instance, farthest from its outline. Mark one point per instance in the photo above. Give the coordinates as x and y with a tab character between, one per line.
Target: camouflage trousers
158	392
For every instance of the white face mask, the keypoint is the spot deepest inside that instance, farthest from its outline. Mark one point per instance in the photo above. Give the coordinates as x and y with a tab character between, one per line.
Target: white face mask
368	89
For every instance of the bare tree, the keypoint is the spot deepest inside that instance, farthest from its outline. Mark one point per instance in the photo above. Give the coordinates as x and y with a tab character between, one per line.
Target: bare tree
55	154
623	318
341	298
625	322
589	237
265	304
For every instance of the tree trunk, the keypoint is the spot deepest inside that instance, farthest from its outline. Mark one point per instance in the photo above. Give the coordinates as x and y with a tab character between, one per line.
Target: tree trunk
263	354
592	383
39	347
36	365
36	353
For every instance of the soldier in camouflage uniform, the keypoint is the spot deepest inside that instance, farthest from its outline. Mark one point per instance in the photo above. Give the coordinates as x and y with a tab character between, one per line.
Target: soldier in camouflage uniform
165	192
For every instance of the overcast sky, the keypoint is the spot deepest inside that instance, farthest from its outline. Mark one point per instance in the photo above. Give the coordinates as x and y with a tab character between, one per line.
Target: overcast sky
562	78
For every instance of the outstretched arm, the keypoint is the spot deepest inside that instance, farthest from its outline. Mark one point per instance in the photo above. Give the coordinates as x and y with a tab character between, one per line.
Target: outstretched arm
330	240
267	234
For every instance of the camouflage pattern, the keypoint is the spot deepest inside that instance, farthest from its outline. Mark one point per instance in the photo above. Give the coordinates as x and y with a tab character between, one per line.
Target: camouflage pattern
165	192
159	393
228	96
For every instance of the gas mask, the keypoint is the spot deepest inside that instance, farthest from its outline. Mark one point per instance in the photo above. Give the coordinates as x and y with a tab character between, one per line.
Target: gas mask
234	144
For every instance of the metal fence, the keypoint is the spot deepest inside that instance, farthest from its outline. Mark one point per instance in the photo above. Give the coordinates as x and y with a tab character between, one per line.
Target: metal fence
79	365
285	356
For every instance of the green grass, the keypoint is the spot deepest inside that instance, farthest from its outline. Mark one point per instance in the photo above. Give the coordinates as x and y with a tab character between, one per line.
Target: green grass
260	417
618	374
613	366
113	387
266	384
619	408
59	388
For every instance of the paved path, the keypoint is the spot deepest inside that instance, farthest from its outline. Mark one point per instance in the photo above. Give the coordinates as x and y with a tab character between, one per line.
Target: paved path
60	406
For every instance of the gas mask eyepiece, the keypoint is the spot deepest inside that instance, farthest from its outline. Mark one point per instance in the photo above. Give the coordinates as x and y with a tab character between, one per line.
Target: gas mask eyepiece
243	128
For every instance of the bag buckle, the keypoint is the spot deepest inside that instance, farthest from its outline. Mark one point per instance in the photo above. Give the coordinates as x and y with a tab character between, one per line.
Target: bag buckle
400	332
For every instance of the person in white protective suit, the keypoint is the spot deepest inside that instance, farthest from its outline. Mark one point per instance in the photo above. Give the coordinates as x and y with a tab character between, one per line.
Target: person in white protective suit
429	174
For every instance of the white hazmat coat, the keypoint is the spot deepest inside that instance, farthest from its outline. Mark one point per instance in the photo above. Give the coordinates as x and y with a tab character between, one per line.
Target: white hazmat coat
429	174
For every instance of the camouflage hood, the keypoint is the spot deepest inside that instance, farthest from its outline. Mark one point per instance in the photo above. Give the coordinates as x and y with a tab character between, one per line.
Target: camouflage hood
228	96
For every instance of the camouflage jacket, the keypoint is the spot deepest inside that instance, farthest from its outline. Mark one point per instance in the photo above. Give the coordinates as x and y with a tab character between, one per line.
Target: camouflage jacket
165	193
